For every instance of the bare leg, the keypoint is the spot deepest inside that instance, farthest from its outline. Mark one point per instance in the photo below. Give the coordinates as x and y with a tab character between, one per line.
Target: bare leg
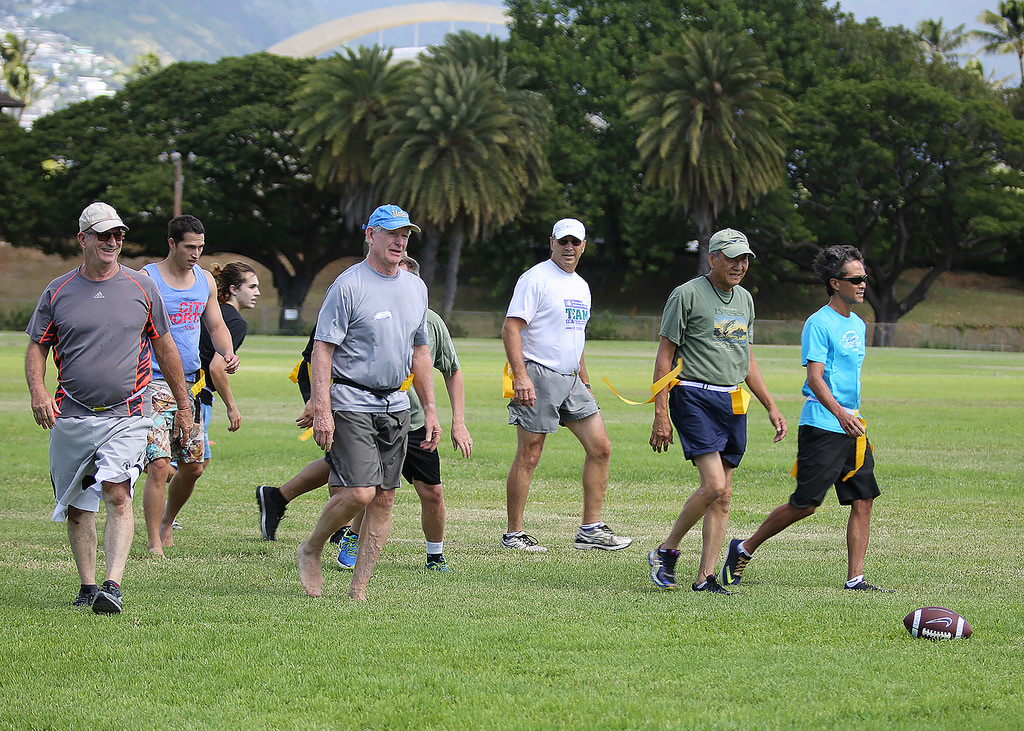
712	486
120	528
431	510
82	537
376	527
179	490
777	521
517	485
153	497
716	523
598	447
857	530
309	478
338	511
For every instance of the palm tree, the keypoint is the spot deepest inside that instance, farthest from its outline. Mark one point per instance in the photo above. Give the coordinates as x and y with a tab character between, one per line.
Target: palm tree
1006	31
460	157
940	43
711	127
15	55
339	108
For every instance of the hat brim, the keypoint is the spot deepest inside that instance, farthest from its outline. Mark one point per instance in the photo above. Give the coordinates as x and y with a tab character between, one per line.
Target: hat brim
734	250
104	226
396	225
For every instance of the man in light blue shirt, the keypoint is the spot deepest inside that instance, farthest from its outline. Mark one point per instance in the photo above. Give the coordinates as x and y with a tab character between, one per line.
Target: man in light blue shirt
833	447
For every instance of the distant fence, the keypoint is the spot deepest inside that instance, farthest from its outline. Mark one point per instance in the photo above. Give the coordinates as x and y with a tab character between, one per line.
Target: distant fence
14	315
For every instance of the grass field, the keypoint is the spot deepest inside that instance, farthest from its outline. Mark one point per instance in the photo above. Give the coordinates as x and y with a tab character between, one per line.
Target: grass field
222	636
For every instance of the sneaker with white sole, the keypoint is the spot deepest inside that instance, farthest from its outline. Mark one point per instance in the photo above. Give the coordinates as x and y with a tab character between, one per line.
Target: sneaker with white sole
736	559
601	537
710	584
272	507
108	599
348	549
522	542
663	567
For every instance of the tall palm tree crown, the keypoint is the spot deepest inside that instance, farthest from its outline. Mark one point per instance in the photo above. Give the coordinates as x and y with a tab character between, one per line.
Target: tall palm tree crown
711	126
1006	31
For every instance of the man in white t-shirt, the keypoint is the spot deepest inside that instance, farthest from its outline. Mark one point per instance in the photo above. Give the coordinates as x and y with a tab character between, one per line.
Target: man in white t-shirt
544	336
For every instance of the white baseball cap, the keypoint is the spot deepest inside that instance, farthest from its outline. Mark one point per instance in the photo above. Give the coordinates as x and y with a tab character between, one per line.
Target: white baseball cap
99	217
569	227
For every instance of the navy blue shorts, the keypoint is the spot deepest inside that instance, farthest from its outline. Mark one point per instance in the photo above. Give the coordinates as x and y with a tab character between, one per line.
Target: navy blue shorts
705	423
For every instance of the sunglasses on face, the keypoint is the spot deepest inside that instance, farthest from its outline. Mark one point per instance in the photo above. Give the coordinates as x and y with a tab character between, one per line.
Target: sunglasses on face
117	234
854	280
569	241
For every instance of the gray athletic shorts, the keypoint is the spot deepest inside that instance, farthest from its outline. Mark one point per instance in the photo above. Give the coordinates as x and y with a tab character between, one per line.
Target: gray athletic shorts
560	398
368	449
88	450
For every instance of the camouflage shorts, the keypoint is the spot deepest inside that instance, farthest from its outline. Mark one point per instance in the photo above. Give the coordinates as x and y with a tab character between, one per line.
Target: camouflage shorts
158	441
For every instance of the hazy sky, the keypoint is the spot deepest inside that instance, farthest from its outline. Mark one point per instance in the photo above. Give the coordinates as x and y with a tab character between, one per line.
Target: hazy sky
952	12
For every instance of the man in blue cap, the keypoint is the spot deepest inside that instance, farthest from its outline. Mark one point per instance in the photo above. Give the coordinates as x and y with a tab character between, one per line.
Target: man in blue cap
370	334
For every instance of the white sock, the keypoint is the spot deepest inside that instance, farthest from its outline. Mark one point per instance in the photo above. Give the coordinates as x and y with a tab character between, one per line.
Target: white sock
743	549
590	526
435	547
854	581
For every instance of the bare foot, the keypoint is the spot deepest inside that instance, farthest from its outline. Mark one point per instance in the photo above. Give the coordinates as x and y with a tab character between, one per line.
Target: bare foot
166	536
155	551
310	572
360	597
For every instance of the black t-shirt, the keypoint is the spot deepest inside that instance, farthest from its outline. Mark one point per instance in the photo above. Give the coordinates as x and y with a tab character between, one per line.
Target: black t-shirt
237	326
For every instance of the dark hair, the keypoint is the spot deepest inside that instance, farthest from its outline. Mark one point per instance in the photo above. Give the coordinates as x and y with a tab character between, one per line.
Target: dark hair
228	276
411	264
178	226
831	261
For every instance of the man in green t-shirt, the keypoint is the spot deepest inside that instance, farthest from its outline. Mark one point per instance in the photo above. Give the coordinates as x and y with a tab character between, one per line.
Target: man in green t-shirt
707	323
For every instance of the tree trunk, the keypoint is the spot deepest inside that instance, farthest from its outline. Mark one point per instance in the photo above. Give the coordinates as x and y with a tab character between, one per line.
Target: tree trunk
451	279
428	254
292	290
704	226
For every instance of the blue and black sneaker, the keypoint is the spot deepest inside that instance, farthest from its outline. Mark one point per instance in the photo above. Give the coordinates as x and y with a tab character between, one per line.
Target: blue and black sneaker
348	549
663	567
736	559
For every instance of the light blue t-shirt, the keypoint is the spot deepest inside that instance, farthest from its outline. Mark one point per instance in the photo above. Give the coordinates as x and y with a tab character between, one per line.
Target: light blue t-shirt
373	321
837	342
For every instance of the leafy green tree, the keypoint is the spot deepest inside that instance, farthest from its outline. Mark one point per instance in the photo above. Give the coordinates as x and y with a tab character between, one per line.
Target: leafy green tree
339	109
247	182
459	157
712	127
911	175
1005	34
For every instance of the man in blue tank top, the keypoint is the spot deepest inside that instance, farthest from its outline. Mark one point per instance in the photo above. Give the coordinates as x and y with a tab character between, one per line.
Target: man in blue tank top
190	296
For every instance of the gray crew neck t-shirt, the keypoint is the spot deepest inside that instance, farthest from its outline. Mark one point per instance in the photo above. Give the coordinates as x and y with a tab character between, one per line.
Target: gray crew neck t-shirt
373	320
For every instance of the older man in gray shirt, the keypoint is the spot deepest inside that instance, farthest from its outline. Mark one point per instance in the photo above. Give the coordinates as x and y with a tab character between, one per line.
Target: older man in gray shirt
371	332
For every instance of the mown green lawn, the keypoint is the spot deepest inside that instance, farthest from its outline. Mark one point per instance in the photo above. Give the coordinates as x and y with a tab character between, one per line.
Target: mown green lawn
222	636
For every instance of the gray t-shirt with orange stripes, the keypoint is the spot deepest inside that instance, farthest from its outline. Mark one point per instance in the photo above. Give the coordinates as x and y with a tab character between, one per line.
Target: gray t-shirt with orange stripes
100	334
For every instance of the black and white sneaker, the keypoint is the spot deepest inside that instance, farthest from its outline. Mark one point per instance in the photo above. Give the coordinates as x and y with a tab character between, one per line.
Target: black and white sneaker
108	599
865	586
711	584
522	542
85	598
272	507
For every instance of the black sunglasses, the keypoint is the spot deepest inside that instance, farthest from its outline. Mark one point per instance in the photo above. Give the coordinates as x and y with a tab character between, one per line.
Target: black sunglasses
116	233
853	280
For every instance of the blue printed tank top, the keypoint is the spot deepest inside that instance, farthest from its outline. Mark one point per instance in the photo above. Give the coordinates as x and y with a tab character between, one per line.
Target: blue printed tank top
185	307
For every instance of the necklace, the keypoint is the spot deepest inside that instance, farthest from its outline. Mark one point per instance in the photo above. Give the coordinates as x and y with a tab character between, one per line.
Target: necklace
718	292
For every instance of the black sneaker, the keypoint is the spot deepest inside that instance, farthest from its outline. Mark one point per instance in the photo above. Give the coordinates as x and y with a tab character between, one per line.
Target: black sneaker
711	584
85	597
735	561
338	535
865	586
272	507
108	599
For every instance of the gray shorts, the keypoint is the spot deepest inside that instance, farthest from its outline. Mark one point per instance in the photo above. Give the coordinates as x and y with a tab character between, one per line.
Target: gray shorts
368	449
88	450
560	398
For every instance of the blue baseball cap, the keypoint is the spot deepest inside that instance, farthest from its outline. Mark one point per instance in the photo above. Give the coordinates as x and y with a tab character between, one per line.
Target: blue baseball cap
390	217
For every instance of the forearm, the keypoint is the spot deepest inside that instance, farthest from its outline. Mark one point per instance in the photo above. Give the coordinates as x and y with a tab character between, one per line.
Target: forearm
320	376
662	366
457	396
167	357
423	378
35	368
755	382
511	337
221	381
